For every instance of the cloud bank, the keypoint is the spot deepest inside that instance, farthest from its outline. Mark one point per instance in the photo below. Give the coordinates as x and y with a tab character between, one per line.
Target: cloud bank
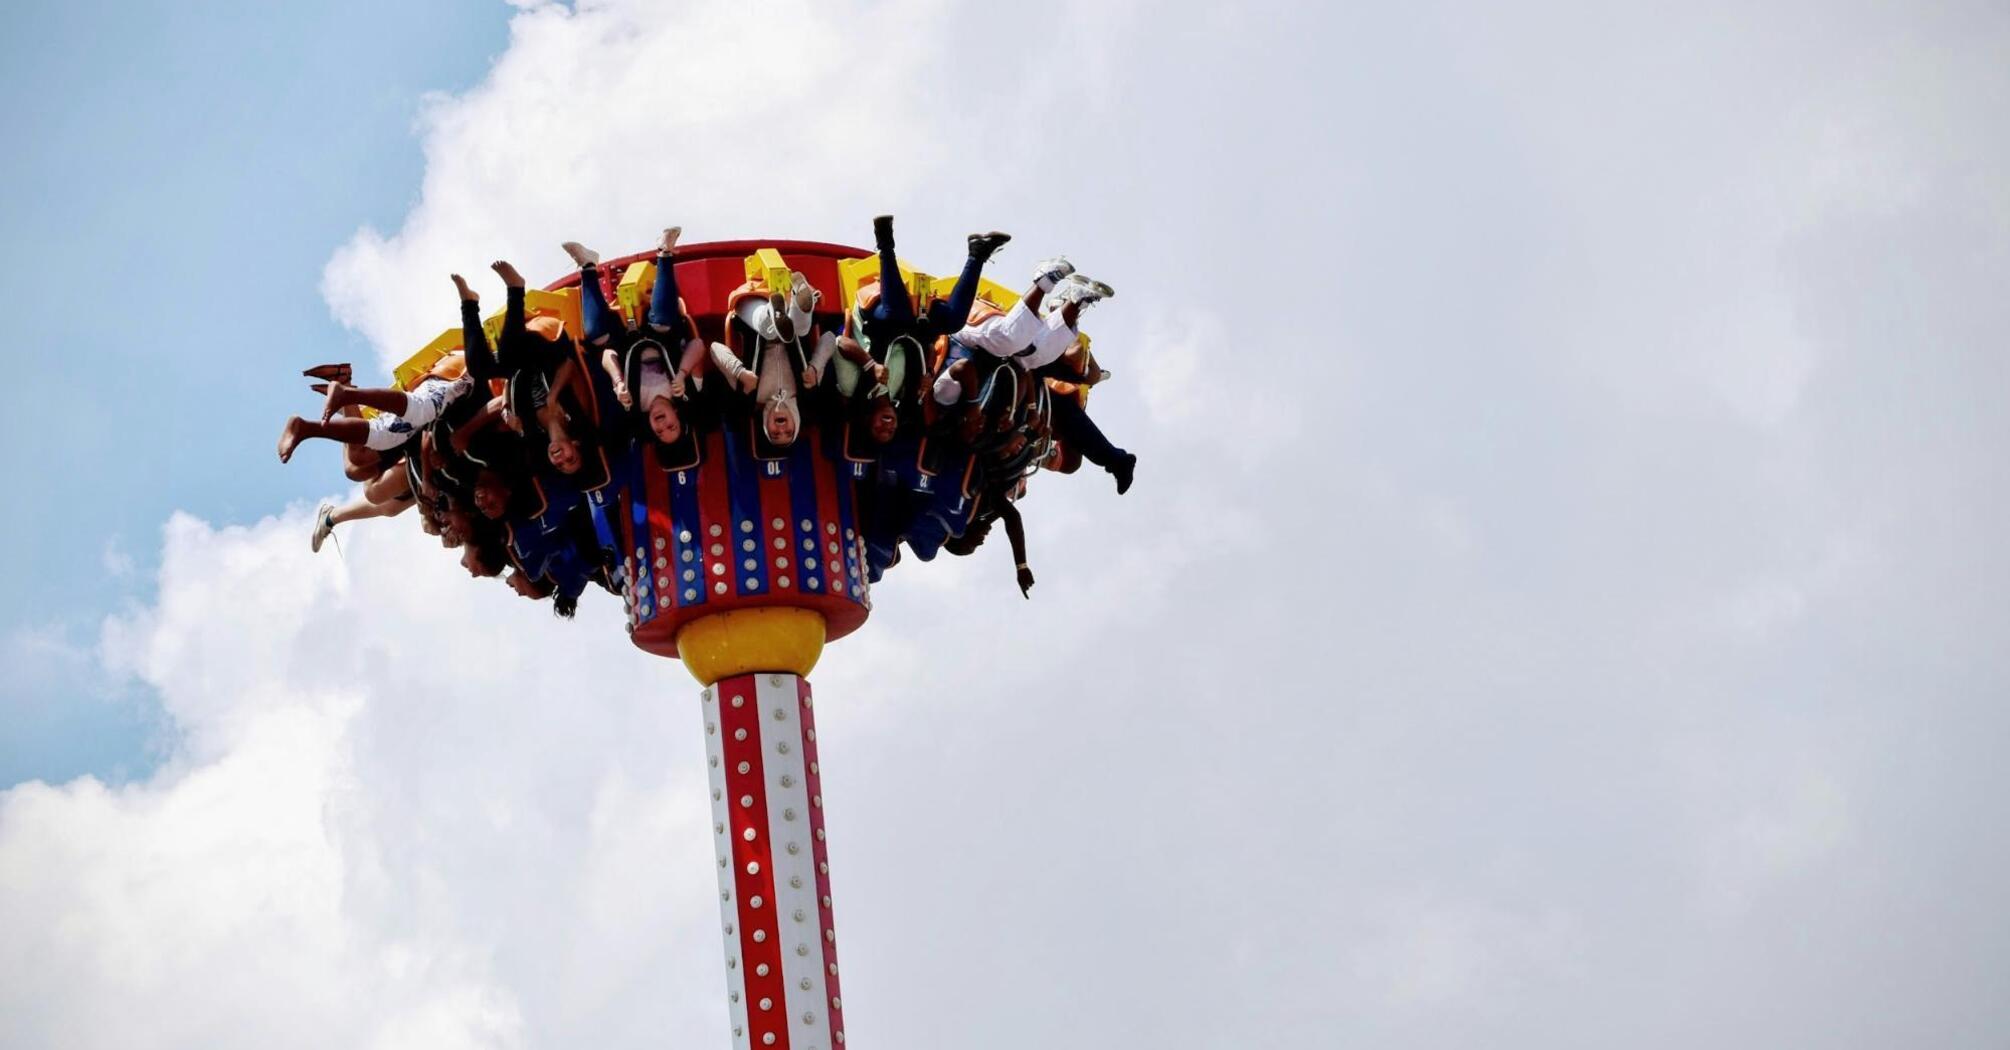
1561	603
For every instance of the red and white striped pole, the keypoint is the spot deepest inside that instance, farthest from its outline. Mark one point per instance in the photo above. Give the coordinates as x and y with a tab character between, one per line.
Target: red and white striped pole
774	872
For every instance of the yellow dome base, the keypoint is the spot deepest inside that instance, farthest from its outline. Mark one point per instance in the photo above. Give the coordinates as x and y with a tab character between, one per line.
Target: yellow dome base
772	639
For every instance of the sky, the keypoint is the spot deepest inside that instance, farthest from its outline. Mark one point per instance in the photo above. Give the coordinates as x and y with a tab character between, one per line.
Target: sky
1560	604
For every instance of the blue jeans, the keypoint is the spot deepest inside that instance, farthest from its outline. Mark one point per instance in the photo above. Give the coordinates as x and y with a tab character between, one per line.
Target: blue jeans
600	319
602	322
894	312
664	316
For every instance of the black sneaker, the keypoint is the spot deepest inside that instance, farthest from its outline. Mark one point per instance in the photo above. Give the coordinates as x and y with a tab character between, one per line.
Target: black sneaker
982	245
1122	471
882	232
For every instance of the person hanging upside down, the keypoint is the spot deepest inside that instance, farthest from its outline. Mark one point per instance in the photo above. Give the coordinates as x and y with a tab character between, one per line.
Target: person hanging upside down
639	364
400	413
974	385
1034	344
538	354
385	496
773	329
1071	420
484	554
888	337
359	463
1007	511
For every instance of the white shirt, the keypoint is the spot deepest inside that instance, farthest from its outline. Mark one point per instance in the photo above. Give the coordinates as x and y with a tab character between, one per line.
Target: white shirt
1020	331
655	379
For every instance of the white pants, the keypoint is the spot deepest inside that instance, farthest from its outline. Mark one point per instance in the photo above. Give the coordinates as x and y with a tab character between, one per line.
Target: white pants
1006	334
423	404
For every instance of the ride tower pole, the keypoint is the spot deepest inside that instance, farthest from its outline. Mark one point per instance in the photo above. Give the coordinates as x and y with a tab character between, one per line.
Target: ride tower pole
768	825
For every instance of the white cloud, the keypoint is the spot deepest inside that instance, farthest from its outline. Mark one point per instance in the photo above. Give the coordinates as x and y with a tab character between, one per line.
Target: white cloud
1567	511
1426	954
28	647
118	564
1778	837
337	855
606	123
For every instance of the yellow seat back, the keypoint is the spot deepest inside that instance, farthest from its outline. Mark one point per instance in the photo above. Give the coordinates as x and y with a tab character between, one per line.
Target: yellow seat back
537	302
407	375
767	267
854	274
628	293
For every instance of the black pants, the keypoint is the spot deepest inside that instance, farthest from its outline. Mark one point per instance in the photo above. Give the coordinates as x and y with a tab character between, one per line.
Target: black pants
1072	423
515	350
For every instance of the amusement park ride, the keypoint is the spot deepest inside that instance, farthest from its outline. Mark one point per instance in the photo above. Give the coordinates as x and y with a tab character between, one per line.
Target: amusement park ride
743	562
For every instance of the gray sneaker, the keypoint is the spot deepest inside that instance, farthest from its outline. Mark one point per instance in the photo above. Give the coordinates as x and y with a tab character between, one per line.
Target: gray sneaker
1048	271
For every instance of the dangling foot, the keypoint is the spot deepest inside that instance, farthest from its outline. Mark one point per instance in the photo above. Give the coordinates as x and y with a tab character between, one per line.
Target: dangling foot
334	402
461	285
290	436
508	273
882	232
1122	470
340	373
582	256
746	380
984	245
778	308
668	245
1048	271
324	525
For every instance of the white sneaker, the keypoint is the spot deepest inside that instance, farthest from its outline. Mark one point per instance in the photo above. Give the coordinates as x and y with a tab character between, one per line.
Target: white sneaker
668	245
1048	271
582	256
803	302
1076	288
806	295
1097	289
324	525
